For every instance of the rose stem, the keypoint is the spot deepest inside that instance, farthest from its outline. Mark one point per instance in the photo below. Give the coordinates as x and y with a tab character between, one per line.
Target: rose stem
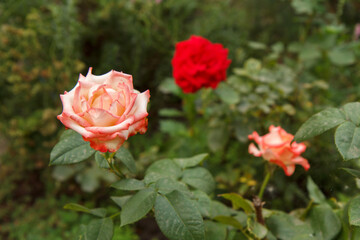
265	182
110	159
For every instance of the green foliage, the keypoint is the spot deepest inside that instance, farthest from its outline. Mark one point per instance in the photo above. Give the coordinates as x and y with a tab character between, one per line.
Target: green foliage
137	206
176	211
285	67
99	212
70	149
100	229
319	123
124	156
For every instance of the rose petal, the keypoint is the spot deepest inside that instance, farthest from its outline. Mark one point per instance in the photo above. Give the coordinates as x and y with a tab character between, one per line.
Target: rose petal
112	129
99	117
254	150
139	110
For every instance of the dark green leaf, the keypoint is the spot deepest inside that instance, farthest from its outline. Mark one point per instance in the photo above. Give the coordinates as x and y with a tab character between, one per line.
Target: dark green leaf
347	140
167	185
352	112
129	184
219	209
202	202
137	206
256	228
239	202
314	192
165	168
199	178
120	201
285	227
229	221
70	149
191	161
126	158
178	217
353	172
99	212
101	161
100	229
214	231
319	123
325	222
354	211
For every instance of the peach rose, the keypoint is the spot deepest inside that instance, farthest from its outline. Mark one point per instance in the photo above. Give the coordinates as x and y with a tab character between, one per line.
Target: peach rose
276	147
106	110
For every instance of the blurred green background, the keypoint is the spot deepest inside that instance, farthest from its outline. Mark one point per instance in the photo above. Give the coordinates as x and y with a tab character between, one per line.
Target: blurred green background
290	59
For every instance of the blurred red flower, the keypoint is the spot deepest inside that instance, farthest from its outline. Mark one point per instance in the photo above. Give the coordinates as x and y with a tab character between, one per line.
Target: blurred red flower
199	63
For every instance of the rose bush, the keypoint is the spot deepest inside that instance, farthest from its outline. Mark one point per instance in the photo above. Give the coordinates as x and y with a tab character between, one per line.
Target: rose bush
199	63
106	110
276	147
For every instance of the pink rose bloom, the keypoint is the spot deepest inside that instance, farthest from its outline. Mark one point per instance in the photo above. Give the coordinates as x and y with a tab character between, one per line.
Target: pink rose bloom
357	31
106	110
276	147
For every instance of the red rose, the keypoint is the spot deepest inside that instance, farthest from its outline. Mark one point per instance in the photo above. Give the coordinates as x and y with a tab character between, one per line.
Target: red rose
199	63
276	147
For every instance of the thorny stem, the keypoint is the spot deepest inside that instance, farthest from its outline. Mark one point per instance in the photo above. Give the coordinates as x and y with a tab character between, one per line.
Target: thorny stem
258	210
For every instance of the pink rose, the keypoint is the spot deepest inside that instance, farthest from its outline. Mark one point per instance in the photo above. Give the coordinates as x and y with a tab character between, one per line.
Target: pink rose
276	147
106	110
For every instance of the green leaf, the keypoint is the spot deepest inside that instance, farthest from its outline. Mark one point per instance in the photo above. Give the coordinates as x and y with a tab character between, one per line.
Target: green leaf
239	202
219	209
229	221
319	123
352	112
173	128
101	161
167	185
100	229
191	161
170	112
70	149
303	6
137	206
217	137
202	202
354	211
342	56
353	172
120	201
199	178
214	231
99	212
129	184
165	168
256	228
227	94
347	140
168	86
257	45
325	221
314	192
284	227
178	217
126	158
